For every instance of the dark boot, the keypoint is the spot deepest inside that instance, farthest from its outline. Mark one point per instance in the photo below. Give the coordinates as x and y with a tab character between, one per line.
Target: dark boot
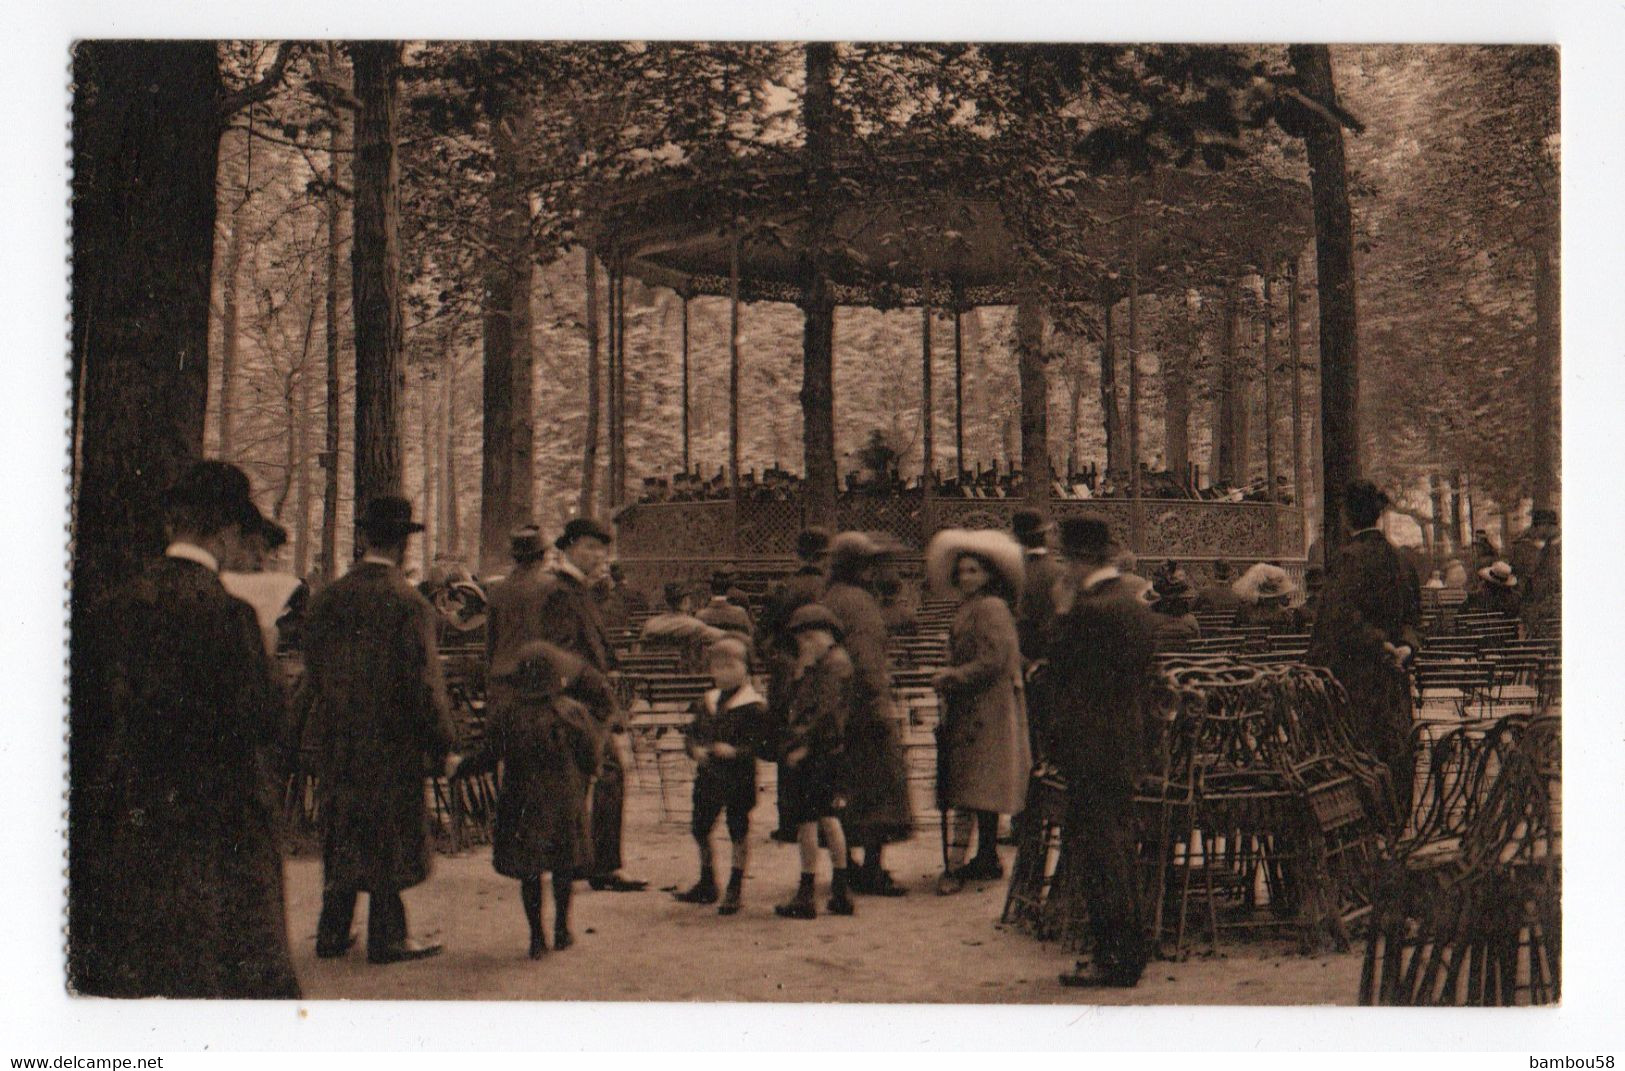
840	897
530	893
800	906
731	901
703	891
562	938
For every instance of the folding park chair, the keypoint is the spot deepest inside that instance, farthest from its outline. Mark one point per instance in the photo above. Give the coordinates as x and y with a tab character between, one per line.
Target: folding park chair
676	773
1465	686
647	723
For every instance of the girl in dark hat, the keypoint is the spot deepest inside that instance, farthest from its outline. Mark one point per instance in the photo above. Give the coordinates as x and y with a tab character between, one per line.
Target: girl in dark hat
878	810
549	747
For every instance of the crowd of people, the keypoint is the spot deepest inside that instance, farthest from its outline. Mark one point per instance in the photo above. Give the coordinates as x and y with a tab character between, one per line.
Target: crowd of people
776	484
1051	665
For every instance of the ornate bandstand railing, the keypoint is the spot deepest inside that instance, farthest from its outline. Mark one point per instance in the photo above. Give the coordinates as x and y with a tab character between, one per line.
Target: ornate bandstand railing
676	539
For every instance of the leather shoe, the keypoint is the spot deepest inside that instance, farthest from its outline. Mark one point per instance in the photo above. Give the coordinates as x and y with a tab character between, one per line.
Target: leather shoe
875	883
406	951
616	883
1098	979
327	951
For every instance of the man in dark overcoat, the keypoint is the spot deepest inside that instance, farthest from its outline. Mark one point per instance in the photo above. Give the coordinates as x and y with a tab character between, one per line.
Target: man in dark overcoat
1542	608
1102	658
774	641
570	619
1366	632
878	810
1036	607
379	722
176	877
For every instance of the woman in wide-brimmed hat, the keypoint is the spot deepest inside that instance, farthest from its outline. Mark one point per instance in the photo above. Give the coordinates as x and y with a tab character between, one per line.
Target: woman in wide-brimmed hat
1264	590
983	752
1497	594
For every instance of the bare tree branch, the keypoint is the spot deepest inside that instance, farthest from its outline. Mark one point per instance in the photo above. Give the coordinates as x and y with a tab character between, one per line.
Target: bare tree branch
257	91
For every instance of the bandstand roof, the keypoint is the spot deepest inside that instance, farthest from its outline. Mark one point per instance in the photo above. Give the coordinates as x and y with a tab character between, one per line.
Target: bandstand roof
1194	228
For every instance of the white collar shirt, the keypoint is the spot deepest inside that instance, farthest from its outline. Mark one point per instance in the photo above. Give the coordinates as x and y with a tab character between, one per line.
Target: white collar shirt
193	553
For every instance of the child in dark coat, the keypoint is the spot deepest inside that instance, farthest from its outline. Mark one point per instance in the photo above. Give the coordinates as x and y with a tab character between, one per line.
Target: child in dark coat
812	789
548	746
725	738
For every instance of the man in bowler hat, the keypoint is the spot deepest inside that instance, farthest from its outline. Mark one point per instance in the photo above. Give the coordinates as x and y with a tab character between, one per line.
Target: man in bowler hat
570	619
380	721
176	878
1102	657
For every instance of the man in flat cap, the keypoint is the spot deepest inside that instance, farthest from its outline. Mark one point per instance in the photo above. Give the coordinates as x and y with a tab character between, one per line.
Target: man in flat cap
570	619
1102	660
176	878
380	720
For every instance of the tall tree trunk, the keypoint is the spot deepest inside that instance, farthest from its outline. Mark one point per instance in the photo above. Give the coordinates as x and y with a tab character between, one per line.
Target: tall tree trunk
1110	413
618	443
230	279
1034	403
589	441
334	206
301	495
1544	411
451	529
380	368
507	459
1176	416
428	434
1339	338
146	138
1456	535
146	143
1436	502
818	332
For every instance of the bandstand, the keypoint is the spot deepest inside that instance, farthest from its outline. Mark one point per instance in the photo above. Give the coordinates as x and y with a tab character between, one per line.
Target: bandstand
911	243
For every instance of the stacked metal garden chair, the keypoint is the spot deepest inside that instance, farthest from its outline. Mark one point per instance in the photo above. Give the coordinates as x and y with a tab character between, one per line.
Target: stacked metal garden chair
1470	906
1258	813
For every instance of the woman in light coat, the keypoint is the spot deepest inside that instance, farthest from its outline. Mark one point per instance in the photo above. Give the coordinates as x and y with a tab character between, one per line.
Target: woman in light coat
983	752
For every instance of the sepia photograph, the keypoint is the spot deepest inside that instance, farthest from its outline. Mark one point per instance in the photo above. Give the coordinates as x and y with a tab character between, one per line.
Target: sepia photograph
913	522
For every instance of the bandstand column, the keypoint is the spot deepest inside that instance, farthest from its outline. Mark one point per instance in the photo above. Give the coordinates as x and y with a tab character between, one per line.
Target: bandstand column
612	496
1294	350
1269	384
620	388
959	392
686	461
927	452
733	387
589	453
1034	401
1135	510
